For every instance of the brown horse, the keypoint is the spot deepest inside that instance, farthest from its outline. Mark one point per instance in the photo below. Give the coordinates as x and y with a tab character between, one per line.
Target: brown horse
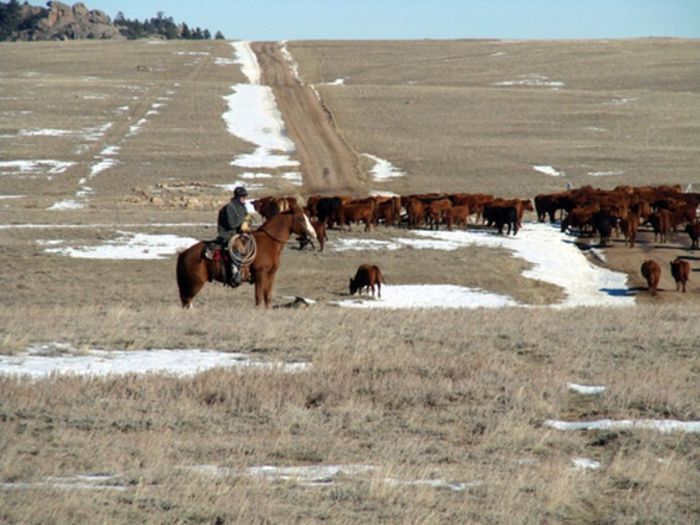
193	270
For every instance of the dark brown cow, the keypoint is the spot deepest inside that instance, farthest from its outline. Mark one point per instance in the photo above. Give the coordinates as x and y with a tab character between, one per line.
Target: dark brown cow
579	218
661	223
680	270
693	230
366	277
386	211
651	271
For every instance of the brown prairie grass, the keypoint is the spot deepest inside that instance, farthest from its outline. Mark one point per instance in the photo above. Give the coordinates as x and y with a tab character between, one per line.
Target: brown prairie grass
453	395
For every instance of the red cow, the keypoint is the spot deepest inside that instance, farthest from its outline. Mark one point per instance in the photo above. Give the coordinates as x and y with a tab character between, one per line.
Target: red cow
457	215
629	228
680	270
651	271
349	213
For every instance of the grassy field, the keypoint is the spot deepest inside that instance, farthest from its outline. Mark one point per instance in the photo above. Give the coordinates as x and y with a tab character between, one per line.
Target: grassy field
418	396
442	395
435	109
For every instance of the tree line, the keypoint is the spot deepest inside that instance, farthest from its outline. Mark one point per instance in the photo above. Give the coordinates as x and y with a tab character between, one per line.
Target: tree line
12	20
162	26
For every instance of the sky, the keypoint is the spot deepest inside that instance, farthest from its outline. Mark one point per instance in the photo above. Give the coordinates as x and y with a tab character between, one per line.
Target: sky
419	19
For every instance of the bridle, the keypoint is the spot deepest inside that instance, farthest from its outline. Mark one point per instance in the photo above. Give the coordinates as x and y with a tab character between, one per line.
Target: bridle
262	228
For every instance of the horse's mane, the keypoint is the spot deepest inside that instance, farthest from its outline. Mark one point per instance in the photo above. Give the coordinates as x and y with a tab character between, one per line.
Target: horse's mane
286	212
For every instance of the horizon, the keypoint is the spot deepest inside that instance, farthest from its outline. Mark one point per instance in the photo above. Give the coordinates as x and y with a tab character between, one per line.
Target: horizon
424	20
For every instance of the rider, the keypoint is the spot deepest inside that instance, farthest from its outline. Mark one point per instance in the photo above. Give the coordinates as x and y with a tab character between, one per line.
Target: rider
233	219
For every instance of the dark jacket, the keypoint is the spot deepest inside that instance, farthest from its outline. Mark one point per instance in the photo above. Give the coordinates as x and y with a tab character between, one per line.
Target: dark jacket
230	219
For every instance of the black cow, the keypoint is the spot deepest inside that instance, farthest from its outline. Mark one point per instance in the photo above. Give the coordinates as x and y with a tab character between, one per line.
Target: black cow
693	230
604	223
502	215
327	210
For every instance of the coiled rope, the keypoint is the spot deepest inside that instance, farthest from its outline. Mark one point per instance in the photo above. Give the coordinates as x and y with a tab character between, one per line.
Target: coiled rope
249	249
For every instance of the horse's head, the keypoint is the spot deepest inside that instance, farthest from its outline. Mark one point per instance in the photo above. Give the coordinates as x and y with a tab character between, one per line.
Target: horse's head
302	224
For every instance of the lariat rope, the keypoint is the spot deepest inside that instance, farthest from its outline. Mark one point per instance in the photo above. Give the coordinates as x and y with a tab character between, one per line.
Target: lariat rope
250	248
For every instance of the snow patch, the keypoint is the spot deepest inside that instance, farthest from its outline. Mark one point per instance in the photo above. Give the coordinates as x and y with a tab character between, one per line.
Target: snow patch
585	390
48	132
383	170
532	80
662	425
78	482
605	173
586	464
294	177
555	260
129	246
110	151
67	204
432	296
293	65
336	82
454	486
102	165
250	186
220	61
324	475
245	57
43	360
22	167
549	170
250	175
254	117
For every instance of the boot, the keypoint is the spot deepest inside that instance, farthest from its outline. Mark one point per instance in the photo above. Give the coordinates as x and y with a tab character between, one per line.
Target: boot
235	279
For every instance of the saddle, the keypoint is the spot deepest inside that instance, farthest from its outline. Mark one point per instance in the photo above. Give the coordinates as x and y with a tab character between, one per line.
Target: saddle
239	251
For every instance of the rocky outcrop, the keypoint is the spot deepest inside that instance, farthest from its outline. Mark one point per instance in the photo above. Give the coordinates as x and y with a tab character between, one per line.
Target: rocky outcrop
63	22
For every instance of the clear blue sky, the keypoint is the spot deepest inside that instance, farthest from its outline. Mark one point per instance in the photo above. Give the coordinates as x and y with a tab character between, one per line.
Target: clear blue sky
417	19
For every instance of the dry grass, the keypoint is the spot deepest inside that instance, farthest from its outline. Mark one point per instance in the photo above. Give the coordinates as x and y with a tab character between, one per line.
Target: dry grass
449	395
433	110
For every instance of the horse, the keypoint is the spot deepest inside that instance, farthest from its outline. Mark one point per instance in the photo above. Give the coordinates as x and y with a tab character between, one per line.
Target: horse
193	269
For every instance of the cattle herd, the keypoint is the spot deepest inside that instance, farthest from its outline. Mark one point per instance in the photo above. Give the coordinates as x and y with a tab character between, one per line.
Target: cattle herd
588	210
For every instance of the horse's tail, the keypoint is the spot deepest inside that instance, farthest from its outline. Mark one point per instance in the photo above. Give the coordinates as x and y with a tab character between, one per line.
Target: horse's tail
183	281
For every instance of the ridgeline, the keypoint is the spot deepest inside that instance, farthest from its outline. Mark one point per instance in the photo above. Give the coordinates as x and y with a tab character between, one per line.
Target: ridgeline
59	21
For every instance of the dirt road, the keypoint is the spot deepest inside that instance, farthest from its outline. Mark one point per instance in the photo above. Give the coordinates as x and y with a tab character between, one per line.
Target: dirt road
328	162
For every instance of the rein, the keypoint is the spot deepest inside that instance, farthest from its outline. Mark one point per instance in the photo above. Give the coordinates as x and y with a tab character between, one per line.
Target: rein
262	229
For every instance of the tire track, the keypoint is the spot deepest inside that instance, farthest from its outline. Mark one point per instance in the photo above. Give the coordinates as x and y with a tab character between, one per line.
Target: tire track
328	162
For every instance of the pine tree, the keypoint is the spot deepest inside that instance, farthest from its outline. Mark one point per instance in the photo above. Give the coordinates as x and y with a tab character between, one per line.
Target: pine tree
219	36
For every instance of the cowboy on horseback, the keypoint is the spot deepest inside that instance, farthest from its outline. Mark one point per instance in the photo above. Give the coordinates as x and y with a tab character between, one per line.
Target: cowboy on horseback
233	220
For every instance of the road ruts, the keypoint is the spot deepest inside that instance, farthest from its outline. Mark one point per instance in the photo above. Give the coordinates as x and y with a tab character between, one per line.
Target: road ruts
328	163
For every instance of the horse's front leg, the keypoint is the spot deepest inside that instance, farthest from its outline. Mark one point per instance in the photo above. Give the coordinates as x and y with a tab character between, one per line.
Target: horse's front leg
260	281
267	291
